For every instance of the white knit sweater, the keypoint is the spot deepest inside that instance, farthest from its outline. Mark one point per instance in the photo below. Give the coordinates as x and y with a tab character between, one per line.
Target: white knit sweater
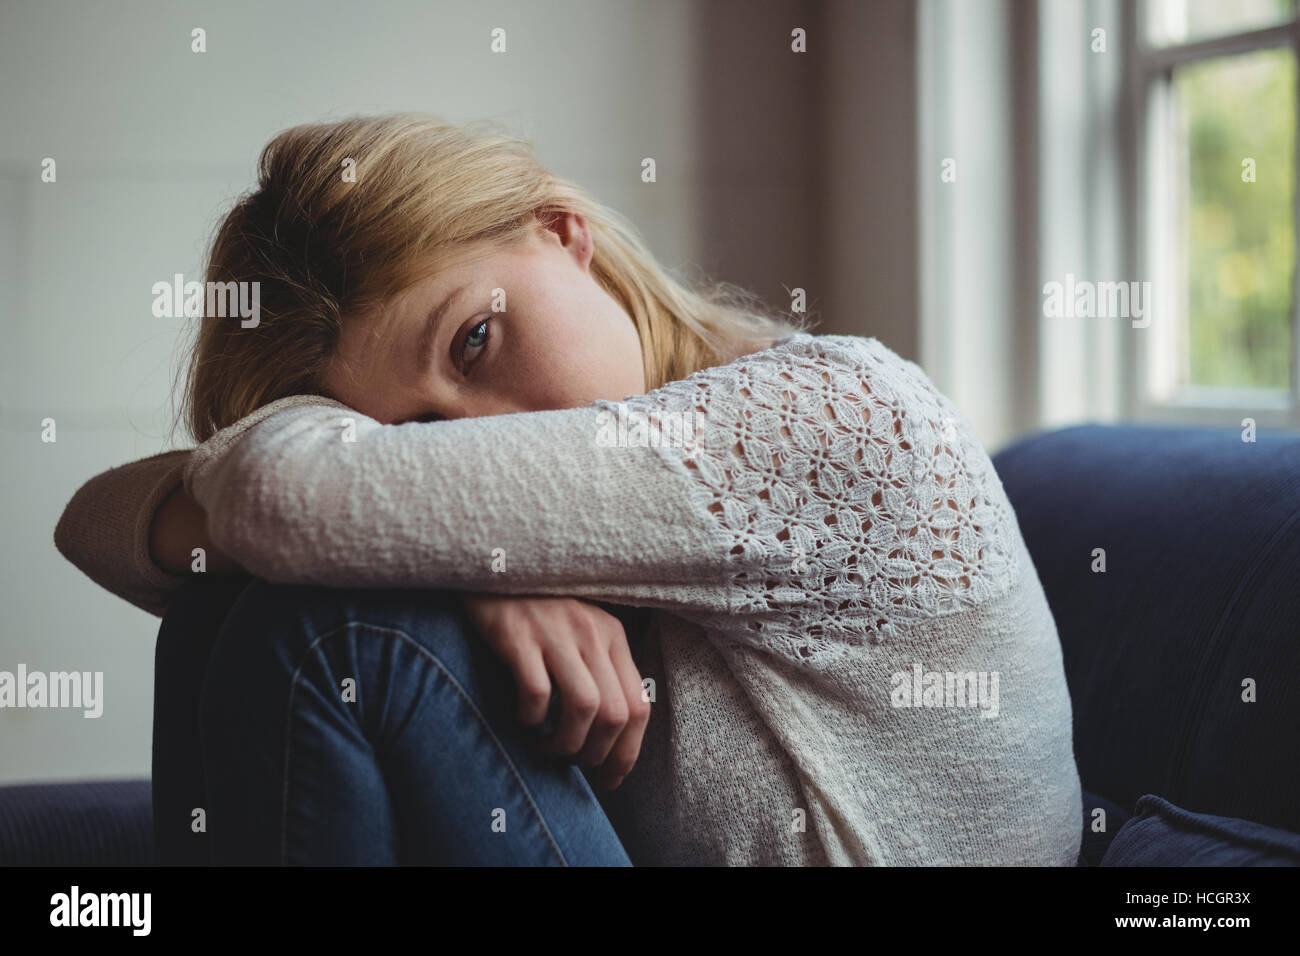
827	548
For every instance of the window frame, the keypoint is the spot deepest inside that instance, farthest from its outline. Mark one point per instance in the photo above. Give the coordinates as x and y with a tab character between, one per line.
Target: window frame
1148	71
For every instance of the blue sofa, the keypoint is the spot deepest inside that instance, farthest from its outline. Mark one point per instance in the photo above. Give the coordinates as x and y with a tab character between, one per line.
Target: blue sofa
1198	609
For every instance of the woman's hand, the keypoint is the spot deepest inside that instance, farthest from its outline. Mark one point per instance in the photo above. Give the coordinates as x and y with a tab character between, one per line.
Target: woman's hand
582	651
179	526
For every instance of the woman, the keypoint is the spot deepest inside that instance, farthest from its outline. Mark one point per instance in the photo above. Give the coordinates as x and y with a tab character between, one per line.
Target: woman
468	377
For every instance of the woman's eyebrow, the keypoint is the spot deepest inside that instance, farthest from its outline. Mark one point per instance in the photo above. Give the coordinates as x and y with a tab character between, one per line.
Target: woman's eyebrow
424	346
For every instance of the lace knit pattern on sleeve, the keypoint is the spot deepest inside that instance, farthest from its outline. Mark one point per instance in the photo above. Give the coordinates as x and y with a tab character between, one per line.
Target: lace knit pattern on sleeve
852	498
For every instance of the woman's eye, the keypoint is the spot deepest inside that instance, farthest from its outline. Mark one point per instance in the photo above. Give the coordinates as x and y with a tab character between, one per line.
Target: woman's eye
476	338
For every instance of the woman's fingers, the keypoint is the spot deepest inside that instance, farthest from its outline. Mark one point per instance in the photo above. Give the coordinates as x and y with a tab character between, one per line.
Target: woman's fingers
611	716
525	661
576	651
623	755
579	697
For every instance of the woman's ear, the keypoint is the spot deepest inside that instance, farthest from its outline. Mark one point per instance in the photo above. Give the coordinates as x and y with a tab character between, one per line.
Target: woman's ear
572	230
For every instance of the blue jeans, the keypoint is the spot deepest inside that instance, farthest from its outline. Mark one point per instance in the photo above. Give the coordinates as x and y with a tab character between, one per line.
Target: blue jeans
319	726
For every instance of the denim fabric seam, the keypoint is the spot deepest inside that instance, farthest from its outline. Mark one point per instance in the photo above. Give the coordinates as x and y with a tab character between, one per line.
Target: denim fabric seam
393	632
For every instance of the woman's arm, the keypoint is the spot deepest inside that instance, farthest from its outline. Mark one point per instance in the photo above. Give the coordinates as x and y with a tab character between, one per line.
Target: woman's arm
133	529
531	503
584	502
106	530
822	479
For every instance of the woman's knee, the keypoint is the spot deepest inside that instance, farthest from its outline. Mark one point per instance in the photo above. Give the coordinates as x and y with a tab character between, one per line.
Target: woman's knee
272	630
193	618
269	615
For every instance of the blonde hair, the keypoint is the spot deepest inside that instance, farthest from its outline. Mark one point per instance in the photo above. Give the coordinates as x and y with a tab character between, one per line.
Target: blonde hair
324	249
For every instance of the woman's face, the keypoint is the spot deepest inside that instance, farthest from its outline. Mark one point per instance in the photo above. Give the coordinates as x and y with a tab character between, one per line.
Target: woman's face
440	351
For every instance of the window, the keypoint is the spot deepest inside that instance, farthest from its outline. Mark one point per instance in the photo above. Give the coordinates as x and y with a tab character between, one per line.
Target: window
1213	227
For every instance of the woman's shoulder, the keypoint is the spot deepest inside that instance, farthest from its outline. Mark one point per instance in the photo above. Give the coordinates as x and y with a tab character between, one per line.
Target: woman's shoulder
831	365
846	481
797	373
862	352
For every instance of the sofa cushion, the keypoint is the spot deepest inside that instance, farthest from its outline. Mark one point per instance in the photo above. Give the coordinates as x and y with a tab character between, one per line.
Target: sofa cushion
1181	657
1161	834
86	823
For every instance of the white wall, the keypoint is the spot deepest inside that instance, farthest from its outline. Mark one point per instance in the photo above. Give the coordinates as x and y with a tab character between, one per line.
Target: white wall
152	142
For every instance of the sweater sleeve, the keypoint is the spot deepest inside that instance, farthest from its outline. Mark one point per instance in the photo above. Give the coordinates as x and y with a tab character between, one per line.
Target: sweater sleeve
547	502
104	529
817	494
